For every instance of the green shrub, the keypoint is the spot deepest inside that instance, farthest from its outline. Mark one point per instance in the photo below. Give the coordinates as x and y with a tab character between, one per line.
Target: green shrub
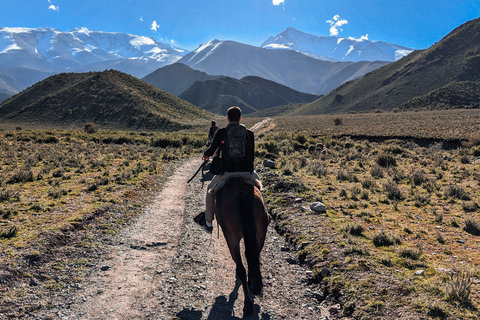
459	287
385	160
381	239
392	190
472	226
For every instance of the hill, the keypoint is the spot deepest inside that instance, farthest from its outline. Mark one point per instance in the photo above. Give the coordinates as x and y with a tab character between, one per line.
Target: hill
109	98
250	93
176	78
455	95
287	67
455	58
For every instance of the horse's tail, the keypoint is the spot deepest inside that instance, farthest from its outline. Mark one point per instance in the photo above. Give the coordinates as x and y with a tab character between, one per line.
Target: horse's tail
244	204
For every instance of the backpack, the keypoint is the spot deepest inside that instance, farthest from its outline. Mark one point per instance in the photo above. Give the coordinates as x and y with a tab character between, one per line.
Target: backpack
235	148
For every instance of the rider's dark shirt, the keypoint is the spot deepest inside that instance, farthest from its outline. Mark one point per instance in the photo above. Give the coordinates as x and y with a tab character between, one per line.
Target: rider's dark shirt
218	141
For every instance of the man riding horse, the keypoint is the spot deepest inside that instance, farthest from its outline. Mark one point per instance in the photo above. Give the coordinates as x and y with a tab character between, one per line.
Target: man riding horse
236	146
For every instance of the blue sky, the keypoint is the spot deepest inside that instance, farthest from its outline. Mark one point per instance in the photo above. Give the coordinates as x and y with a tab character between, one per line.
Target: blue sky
189	23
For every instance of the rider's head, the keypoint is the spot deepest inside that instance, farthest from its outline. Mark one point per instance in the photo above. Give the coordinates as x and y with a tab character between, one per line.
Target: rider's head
234	114
214	123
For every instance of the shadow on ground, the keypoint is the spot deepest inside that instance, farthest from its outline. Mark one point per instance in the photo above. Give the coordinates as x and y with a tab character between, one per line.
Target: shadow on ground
223	309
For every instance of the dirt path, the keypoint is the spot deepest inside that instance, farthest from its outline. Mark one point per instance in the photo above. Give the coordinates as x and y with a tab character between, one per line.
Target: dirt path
166	267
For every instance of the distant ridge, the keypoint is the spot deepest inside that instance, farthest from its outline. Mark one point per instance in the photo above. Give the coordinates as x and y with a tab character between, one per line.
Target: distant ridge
336	48
109	98
287	67
176	78
250	93
455	58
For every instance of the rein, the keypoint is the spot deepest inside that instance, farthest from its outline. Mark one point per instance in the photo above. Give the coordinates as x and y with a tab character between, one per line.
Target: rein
198	170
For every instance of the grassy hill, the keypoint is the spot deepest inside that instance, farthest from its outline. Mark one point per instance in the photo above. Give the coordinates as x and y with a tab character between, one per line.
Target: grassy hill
249	93
464	94
456	58
110	99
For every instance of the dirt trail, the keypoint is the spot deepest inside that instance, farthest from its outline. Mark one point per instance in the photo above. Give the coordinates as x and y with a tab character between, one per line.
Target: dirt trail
166	267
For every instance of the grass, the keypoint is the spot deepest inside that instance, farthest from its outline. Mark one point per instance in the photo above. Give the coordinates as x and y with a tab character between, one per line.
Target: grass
399	199
394	206
63	193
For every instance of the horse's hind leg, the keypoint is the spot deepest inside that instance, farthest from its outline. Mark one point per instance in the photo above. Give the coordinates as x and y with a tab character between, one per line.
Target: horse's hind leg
242	275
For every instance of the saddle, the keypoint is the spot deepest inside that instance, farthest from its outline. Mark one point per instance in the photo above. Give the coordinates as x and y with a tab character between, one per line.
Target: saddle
235	179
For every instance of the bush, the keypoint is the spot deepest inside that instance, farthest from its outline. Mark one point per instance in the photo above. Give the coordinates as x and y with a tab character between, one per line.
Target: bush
393	191
472	226
353	229
456	191
90	128
381	239
21	175
410	253
419	177
12	232
376	171
459	287
338	121
385	160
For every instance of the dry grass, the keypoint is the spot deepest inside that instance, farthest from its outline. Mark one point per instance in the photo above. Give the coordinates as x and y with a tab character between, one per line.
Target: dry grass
414	208
63	193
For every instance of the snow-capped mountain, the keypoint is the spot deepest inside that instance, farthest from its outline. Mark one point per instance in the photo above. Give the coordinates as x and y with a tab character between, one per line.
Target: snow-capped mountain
41	52
336	48
287	67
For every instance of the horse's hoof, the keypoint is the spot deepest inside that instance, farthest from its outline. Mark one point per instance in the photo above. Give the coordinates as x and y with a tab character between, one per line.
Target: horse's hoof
248	309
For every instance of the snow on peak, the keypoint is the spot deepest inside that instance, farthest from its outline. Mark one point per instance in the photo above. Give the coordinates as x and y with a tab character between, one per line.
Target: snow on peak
335	48
139	41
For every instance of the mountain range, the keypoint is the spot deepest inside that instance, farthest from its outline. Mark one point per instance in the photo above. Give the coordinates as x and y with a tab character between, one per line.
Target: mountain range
444	76
29	55
287	67
336	48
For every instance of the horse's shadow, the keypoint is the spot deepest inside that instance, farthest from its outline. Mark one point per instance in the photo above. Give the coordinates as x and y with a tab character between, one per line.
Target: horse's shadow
223	309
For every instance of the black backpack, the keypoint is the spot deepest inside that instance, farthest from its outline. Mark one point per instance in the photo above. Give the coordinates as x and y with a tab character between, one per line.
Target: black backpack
236	146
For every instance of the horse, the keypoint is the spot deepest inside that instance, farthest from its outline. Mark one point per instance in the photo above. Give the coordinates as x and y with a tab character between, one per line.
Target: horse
241	213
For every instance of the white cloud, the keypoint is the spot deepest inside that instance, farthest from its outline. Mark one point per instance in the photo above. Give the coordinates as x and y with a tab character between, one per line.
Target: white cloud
154	26
365	37
141	19
335	25
52	7
278	2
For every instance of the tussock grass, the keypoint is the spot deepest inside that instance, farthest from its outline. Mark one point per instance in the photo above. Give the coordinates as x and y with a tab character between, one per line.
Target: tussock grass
386	198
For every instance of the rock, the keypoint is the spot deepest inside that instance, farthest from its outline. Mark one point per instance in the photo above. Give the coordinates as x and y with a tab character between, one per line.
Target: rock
291	261
105	268
33	283
348	145
269	163
319	146
297	200
318	207
325	272
334	309
443	270
311	148
420	273
303	245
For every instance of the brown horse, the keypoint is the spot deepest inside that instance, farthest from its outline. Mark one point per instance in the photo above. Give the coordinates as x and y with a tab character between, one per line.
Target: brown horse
241	213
